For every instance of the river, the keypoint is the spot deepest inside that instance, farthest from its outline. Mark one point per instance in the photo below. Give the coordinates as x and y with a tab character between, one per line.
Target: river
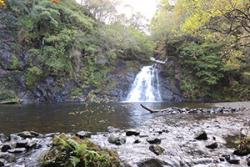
47	118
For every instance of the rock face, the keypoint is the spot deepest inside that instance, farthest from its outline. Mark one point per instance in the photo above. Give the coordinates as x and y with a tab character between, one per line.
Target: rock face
14	61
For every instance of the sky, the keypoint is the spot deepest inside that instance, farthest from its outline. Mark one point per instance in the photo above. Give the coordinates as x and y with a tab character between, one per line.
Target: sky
146	7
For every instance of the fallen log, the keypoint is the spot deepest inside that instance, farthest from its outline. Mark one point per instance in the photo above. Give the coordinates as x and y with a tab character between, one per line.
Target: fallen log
152	110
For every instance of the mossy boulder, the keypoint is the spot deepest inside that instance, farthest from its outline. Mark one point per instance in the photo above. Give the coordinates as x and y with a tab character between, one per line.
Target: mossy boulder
72	151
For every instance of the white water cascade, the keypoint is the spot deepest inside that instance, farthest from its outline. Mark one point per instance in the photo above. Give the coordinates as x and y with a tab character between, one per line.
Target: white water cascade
145	87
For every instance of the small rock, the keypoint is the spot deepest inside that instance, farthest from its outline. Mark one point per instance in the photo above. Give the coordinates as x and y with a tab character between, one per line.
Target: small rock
31	144
137	141
111	129
222	159
212	145
227	157
28	134
8	157
3	138
234	161
132	132
165	131
142	135
83	134
52	134
218	110
22	144
156	149
17	150
248	161
14	137
154	141
242	152
5	147
151	163
201	136
231	159
2	162
117	140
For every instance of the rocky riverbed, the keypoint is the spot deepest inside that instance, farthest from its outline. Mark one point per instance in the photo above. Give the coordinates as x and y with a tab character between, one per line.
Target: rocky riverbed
159	142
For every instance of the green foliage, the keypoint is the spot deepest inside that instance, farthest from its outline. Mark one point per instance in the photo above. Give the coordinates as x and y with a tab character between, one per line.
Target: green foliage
76	92
204	60
32	76
94	75
73	152
207	44
15	63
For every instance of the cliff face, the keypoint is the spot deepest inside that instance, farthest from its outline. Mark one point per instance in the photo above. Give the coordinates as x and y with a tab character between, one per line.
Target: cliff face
60	53
14	66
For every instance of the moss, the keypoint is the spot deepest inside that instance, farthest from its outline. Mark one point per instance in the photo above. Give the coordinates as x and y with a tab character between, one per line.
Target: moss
72	151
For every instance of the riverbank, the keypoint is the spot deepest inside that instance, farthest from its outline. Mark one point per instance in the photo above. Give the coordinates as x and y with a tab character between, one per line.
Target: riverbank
160	141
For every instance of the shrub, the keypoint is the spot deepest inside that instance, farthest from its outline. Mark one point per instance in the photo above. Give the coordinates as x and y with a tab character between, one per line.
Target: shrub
32	76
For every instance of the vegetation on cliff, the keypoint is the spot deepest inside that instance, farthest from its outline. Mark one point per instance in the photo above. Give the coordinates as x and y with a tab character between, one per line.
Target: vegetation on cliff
69	41
208	42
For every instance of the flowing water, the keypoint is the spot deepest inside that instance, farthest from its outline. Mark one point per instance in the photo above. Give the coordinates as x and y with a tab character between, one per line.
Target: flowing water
145	87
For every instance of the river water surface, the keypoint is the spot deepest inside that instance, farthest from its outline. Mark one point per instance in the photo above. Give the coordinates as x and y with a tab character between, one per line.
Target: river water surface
90	117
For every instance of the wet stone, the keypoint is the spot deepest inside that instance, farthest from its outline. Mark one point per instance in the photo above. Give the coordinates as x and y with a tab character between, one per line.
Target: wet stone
22	144
154	141
28	134
132	132
117	140
151	163
231	159
111	129
2	162
142	135
212	145
14	137
8	157
6	147
248	161
201	136
83	134
17	150
3	138
234	161
242	152
158	150
31	144
137	141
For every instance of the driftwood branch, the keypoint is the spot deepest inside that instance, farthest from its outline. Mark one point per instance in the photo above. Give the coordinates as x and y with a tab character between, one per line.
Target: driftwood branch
152	110
159	61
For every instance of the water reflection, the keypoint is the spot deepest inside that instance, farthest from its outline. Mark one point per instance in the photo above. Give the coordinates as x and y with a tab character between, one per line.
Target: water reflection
75	117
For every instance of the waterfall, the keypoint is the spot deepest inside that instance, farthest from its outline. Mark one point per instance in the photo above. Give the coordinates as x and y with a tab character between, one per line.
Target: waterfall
145	87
